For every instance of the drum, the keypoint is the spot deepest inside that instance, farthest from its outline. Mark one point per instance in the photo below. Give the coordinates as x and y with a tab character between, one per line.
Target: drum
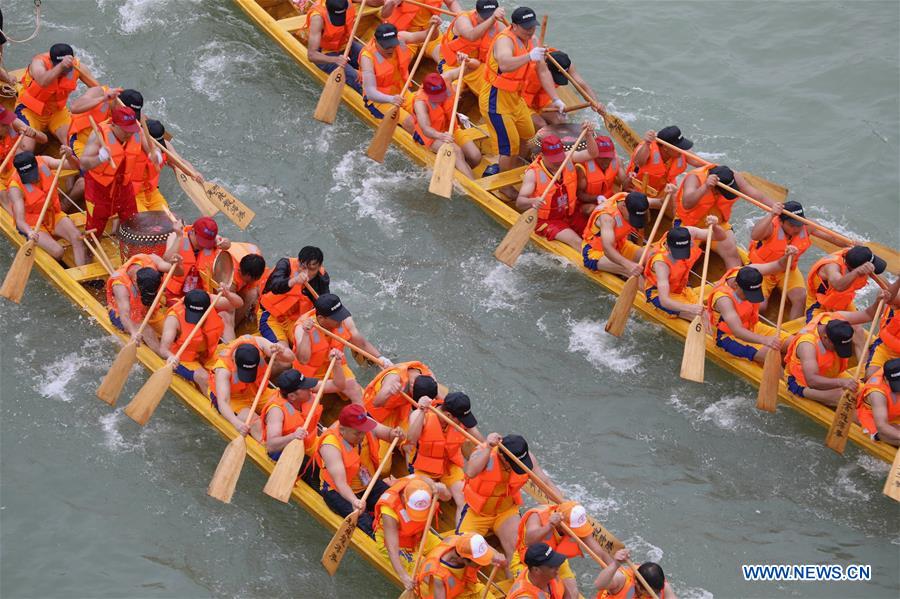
144	233
567	132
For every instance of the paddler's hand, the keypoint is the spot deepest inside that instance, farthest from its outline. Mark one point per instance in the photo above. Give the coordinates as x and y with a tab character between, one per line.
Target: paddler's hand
138	339
112	93
424	403
299	434
385	362
774	343
864	270
694	310
196	176
499	560
397	100
407	581
359	505
445	138
712	181
334	353
442	492
622	555
537	54
308	324
791	251
499	13
555	518
33	235
397	433
435	20
286	354
536	203
223	243
649	137
670	188
340	60
172	361
494	439
67	62
393	387
635	269
559	105
712	221
850	385
599	108
103	155
464	120
301	278
777	209
242	428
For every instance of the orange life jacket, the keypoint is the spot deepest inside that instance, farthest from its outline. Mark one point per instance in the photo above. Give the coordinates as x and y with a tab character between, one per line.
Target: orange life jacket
334	38
659	173
627	590
35	194
145	173
410	531
238	250
876	384
773	248
560	202
292	418
409	17
512	81
120	275
711	202
287	306
434	568
125	156
203	346
494	482
44	101
889	331
7	140
829	363
600	181
451	43
562	543
390	73
679	270
522	588
747	311
351	455
193	262
320	345
533	92
621	227
438	115
396	407
829	298
226	354
438	447
82	120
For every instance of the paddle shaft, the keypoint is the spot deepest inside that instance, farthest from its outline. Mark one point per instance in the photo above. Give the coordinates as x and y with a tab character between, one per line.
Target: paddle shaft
262	387
352	346
199	325
571	79
375	476
562	166
40	220
176	160
412	71
100	252
572	108
103	145
459	86
437	9
356	21
156	300
875	321
319	394
421	550
87	238
784	294
708	251
543	30
12	152
490	580
659	217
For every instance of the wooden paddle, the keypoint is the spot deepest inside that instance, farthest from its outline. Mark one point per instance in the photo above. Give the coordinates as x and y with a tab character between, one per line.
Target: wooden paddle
693	361
208	197
330	99
615	325
436	9
13	287
147	399
490	580
12	152
843	413
767	398
411	594
571	108
284	476
228	470
98	254
445	163
543	31
117	375
385	132
515	240
337	547
103	145
892	484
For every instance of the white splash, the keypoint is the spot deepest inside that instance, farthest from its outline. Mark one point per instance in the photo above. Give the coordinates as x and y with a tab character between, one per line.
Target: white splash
711	156
223	61
140	15
113	439
89	61
59	375
604	351
729	413
599	507
694	593
370	185
640	547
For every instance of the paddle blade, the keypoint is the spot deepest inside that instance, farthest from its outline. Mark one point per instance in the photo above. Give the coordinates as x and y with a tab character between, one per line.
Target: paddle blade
144	403
407	594
693	361
283	478
444	167
337	547
330	100
516	238
767	398
774	191
117	375
840	425
383	136
13	287
225	478
892	484
619	317
236	211
196	193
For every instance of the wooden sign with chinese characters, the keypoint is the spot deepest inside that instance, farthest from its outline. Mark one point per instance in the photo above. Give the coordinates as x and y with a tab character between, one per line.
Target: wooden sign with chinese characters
233	208
196	192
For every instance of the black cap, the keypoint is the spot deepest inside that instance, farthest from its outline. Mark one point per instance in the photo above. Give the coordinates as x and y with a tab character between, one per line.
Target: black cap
840	333
637	205
386	35
564	61
524	17
337	11
157	131
27	167
329	305
458	405
678	240
57	51
133	99
196	303
750	281
726	177
892	374
148	281
291	380
425	386
486	8
859	255
541	554
672	135
246	360
792	207
517	445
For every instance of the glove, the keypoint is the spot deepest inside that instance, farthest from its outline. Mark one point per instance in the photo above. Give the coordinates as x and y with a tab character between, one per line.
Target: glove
103	155
559	105
385	362
464	120
537	54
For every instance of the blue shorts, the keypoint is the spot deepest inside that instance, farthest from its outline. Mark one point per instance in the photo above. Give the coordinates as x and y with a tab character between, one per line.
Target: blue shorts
185	373
114	319
418	138
654	300
212	398
872	349
20	112
264	329
795	387
734	347
373	109
810	312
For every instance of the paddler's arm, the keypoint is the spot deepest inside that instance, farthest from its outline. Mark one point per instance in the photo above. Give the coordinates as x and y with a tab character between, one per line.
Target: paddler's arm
283	356
338	378
91	98
392	544
464	28
86	77
839	282
281	281
526	198
592	95
229	301
424	121
777	266
610	579
437	588
28	131
747	188
386	433
93	154
664	292
195	175
478	459
169	333
503	54
223	400
390	385
275	441
763	227
370	84
314	44
546	80
18	206
303	347
454	5
418	37
417	420
388	9
725	307
45	77
642	153
887	431
806	352
358	339
171	254
591	150
536	532
693	191
608	237
161	264
331	460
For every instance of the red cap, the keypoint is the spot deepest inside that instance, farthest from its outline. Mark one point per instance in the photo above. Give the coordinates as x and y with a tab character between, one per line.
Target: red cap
6	116
354	416
552	148
606	147
124	117
205	230
434	85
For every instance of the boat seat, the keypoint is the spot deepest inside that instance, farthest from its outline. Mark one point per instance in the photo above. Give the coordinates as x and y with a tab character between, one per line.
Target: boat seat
504	179
88	272
293	24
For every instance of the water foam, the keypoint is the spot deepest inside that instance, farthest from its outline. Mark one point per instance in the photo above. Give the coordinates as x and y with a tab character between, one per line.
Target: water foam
603	351
639	546
112	437
141	15
223	61
370	184
58	376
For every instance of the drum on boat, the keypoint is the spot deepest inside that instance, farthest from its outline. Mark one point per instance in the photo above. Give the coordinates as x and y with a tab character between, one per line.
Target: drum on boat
144	233
567	133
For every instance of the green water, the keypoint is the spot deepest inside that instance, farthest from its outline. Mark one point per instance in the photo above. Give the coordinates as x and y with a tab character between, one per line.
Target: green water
804	93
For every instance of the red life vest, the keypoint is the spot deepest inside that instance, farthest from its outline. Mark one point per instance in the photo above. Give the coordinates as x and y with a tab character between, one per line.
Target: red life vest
438	447
621	227
746	310
438	115
561	201
145	173
120	275
320	345
512	81
522	588
333	38
351	455
203	346
829	363
44	101
193	262
533	92
829	298
125	156
711	202
876	384
434	568
659	173
773	248
451	43
409	530
562	543
35	194
494	482
600	181
390	73
679	270
82	120
396	408
291	418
